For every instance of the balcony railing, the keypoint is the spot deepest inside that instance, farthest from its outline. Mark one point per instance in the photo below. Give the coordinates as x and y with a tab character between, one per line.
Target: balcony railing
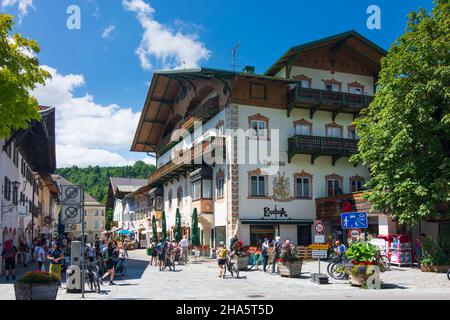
188	160
327	100
315	145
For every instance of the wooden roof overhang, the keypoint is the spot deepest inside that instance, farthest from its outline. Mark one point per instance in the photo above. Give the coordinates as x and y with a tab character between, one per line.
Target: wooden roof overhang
359	47
37	143
162	95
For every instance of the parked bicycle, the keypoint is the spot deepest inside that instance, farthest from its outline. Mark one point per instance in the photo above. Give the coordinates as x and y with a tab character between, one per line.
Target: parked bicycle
178	258
169	261
335	267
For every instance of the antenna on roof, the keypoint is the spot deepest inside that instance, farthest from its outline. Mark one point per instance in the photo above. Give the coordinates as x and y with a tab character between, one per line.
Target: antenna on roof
233	56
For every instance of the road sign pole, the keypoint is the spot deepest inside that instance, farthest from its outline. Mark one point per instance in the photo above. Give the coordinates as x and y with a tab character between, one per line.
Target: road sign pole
83	244
319	264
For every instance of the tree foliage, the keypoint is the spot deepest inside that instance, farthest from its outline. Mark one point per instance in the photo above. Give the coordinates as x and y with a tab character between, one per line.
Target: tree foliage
19	75
405	133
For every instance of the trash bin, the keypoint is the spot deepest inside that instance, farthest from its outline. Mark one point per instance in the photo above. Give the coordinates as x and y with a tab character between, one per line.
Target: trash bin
149	251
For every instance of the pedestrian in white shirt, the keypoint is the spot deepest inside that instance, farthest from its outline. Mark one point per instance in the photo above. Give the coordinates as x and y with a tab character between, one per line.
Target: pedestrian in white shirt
39	256
184	244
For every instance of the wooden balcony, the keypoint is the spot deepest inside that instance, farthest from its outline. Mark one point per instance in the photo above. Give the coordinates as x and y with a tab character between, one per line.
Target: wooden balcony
202	113
318	146
189	161
335	102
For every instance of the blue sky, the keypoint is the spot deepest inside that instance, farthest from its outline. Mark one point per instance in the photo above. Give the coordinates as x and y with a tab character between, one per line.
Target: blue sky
100	83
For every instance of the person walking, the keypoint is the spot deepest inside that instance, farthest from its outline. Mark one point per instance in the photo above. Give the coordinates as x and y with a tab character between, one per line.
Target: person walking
184	245
265	253
154	258
56	256
24	252
108	256
221	258
276	253
161	250
39	256
9	255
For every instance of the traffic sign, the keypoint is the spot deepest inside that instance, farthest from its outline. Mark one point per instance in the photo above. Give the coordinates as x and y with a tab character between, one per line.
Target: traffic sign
71	195
320	254
354	233
317	246
71	214
318	227
319	238
354	220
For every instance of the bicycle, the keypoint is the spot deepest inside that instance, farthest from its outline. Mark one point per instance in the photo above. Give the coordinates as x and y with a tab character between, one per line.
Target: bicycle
334	268
120	268
385	260
231	267
169	261
448	274
178	258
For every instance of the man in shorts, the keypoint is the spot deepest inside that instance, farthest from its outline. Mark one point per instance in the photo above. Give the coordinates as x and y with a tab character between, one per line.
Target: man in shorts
222	258
161	249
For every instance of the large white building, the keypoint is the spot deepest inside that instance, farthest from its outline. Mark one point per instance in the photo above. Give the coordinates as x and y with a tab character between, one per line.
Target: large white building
300	113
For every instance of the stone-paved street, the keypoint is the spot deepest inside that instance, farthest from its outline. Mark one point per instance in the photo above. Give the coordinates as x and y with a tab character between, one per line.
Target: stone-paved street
200	281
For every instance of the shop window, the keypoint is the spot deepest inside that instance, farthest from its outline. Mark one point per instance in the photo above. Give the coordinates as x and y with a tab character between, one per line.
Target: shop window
356	184
334	184
259	232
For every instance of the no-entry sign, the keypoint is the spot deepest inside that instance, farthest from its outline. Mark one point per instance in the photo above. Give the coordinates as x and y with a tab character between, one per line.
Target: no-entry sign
354	233
318	227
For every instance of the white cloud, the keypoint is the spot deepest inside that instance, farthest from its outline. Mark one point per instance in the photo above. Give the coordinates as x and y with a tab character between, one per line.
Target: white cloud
107	33
171	49
23	6
87	133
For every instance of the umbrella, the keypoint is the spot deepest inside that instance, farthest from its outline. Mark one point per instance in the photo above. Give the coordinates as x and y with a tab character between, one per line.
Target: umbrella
194	234
163	222
178	226
125	232
155	231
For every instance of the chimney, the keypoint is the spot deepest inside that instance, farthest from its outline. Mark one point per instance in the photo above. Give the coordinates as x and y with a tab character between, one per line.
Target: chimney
249	70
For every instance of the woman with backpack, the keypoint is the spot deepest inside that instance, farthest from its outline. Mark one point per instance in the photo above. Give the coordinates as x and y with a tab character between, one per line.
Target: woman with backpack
222	253
108	256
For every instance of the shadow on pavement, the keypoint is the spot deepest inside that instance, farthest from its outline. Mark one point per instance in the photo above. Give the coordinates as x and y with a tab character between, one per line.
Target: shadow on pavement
392	286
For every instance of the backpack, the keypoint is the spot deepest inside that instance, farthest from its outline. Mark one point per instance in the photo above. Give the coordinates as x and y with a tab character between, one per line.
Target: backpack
222	253
159	248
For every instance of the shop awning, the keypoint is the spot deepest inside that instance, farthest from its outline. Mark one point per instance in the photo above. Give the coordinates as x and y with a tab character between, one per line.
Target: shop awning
276	221
125	232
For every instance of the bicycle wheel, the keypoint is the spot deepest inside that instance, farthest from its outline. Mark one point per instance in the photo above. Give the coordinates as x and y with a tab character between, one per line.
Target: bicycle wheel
448	274
235	272
329	268
386	262
335	273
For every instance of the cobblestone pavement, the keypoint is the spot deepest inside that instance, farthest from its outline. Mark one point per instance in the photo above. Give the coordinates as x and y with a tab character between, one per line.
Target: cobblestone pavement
200	281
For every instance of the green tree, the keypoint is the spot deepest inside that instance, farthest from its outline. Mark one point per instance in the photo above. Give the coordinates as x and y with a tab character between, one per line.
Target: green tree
163	226
178	226
19	74
195	241
405	133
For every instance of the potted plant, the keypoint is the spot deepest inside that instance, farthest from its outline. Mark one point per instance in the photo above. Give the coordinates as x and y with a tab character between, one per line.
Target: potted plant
37	286
290	262
240	255
434	258
362	257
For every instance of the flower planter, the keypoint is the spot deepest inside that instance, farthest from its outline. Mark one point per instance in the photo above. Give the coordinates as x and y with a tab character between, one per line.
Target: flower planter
290	269
36	291
438	268
242	263
358	280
